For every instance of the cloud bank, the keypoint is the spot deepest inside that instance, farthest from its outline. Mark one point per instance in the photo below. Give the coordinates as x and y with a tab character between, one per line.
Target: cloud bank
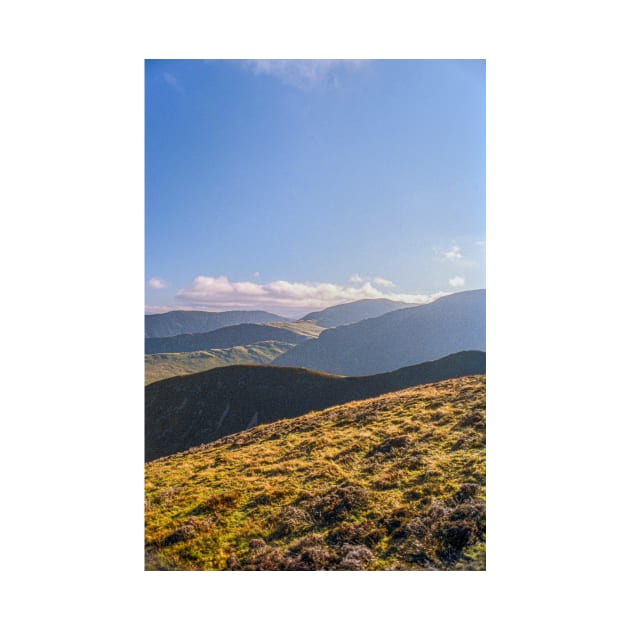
285	298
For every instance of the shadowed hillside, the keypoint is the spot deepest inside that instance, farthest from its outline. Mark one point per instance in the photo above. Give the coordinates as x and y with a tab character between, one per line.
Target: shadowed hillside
391	483
352	312
241	335
182	322
403	337
185	411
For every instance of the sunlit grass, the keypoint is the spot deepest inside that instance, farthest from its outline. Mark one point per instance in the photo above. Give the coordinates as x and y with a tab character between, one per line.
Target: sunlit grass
394	482
168	364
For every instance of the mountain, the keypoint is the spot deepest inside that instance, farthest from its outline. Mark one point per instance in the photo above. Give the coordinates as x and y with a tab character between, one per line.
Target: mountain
240	335
390	483
352	312
186	411
165	365
182	322
309	329
403	337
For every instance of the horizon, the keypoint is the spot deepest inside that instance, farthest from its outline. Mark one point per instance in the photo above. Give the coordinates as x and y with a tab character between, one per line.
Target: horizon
298	318
290	186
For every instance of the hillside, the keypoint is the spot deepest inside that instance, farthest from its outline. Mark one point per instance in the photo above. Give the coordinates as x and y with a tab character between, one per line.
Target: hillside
308	329
391	483
186	411
352	312
240	335
182	322
166	365
403	337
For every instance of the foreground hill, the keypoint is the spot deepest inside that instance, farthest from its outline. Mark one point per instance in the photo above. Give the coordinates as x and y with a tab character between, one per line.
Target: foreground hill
403	337
166	365
241	335
352	312
182	322
395	482
189	410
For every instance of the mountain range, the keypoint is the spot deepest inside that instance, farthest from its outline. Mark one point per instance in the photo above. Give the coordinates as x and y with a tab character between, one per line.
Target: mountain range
353	312
186	411
402	337
182	322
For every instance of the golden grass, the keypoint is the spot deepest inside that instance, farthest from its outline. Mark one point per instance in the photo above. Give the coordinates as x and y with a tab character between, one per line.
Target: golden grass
167	364
394	482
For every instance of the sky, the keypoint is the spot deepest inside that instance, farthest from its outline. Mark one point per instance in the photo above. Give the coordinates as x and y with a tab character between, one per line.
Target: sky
291	186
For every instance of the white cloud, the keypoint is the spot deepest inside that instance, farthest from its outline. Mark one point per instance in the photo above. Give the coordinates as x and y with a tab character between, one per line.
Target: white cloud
453	253
383	282
157	283
304	74
355	277
457	282
256	274
377	280
283	297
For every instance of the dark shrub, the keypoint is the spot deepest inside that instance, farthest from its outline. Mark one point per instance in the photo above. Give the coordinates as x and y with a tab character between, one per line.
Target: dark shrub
466	491
185	532
338	502
391	444
292	521
355	558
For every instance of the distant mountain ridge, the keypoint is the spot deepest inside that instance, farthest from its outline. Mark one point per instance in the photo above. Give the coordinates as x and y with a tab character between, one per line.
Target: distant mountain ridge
186	411
402	337
239	335
353	312
181	322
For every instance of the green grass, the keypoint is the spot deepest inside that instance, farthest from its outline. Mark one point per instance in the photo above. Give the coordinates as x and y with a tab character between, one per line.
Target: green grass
309	329
390	483
160	366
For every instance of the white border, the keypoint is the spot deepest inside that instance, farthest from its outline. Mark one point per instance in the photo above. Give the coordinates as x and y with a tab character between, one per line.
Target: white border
72	144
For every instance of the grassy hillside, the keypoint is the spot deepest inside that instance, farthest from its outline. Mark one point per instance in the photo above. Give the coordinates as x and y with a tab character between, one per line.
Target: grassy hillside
309	329
240	335
160	366
186	411
395	482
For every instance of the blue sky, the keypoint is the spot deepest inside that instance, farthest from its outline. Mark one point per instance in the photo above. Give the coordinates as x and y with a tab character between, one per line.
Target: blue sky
290	186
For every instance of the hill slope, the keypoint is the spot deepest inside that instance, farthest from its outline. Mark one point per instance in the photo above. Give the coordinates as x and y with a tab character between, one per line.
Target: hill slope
395	482
403	337
189	410
352	312
182	322
166	365
240	335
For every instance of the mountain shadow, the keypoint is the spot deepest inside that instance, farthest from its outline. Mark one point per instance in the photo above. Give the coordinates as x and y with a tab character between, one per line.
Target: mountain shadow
186	411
